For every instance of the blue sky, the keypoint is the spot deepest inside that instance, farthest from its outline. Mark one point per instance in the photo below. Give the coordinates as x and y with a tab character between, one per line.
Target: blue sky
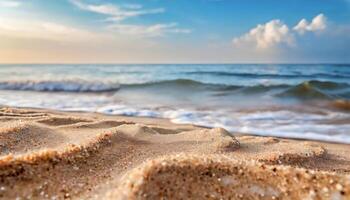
174	31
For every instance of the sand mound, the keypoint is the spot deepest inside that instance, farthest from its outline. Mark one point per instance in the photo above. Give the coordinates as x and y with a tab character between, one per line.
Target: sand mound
20	113
306	152
59	121
217	138
26	164
18	138
137	131
283	151
101	124
165	131
220	177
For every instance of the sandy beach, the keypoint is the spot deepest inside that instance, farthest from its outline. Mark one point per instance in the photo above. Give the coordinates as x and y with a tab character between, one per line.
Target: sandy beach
69	155
174	100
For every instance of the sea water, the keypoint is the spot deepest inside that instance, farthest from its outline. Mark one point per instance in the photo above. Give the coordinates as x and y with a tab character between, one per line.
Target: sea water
292	100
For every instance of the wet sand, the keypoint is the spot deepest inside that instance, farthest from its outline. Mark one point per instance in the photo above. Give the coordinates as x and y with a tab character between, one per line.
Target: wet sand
65	155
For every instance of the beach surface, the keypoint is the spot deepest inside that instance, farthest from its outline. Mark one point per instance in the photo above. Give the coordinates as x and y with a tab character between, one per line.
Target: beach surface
76	155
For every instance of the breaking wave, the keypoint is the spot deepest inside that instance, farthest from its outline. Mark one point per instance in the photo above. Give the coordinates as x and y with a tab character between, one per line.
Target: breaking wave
304	91
59	86
317	90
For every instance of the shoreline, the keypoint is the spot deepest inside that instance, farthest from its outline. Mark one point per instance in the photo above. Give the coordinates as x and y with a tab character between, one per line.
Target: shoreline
80	155
167	121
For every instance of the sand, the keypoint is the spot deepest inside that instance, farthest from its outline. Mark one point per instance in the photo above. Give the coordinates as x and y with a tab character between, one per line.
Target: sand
65	155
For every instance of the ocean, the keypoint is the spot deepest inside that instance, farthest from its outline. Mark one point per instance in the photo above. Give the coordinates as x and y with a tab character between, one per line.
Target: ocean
285	100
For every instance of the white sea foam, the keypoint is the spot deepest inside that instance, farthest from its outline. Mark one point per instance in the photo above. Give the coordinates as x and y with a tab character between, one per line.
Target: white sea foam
127	111
280	123
286	124
54	86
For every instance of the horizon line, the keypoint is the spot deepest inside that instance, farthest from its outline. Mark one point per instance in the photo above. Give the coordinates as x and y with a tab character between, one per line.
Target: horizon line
182	63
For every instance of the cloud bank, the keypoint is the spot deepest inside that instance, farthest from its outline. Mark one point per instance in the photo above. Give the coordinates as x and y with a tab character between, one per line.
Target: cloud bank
318	23
266	35
45	30
9	3
275	33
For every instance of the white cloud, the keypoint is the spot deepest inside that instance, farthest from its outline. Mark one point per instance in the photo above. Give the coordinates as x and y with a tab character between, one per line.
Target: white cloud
9	3
133	6
318	23
275	33
266	35
117	13
42	30
147	31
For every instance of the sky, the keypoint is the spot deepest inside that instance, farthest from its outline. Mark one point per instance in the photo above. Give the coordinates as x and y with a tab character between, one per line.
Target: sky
174	31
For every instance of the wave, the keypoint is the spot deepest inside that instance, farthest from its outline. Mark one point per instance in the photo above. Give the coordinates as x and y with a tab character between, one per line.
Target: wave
257	75
183	82
312	89
193	84
341	104
183	85
317	90
85	86
59	86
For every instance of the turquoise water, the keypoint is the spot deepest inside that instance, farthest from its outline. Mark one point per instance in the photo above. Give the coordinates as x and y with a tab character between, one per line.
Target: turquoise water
295	101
